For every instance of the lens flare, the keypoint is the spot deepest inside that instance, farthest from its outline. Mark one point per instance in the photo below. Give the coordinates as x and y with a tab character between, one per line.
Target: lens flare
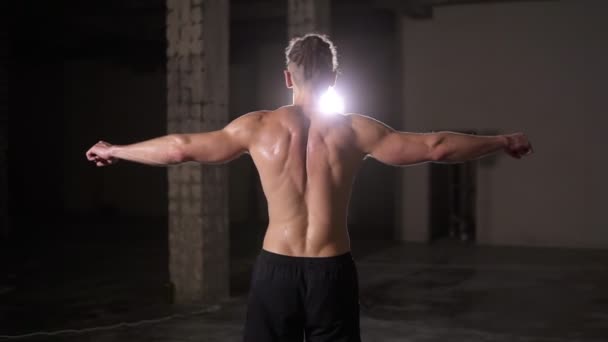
331	102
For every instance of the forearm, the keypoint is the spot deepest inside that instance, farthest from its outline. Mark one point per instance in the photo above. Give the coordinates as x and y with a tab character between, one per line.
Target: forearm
160	151
455	147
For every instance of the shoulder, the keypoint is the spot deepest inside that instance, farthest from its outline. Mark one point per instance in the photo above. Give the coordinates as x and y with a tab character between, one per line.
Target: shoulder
363	124
248	122
266	116
251	118
245	128
368	131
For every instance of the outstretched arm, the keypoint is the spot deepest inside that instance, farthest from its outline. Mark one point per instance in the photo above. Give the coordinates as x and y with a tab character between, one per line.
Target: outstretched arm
389	146
210	147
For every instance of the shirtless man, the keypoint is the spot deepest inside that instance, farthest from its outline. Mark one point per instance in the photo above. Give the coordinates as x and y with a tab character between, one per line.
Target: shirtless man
304	281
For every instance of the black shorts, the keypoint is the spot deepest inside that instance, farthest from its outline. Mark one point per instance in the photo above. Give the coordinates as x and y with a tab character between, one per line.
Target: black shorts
297	298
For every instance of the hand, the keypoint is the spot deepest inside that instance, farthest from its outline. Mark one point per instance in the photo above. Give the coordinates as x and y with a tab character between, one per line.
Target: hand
100	154
518	145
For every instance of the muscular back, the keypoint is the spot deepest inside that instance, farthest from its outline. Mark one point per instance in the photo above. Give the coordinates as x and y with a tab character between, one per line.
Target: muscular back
307	163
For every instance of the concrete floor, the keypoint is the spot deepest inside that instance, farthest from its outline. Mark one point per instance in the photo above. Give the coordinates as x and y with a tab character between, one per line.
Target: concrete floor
440	292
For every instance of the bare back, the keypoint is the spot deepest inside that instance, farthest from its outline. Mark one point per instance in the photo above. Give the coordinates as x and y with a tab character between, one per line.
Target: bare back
307	164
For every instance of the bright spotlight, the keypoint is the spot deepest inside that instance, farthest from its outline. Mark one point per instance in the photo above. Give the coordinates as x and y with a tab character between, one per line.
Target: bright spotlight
331	102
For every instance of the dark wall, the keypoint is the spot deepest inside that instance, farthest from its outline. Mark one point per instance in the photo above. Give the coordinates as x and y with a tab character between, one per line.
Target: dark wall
36	117
4	83
83	73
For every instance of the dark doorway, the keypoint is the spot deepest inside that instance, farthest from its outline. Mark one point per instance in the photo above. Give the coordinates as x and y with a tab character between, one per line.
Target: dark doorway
453	198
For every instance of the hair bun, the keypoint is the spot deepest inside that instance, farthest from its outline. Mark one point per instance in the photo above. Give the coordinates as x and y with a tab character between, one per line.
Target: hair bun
315	53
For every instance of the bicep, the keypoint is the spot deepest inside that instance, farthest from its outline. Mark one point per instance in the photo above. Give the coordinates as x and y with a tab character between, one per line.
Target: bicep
212	147
402	148
381	142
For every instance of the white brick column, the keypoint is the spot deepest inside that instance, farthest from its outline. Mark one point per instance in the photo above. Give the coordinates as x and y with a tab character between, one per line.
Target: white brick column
304	16
197	80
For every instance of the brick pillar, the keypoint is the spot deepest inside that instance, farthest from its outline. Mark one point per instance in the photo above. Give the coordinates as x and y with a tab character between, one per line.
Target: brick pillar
197	80
304	16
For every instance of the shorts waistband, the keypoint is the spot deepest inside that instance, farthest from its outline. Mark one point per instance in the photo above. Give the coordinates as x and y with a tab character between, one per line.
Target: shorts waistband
287	259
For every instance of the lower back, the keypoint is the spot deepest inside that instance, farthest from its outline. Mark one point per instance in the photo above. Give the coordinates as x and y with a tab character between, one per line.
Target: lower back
311	241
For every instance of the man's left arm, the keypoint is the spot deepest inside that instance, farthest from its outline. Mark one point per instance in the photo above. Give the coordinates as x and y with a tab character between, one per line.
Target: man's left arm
450	147
392	147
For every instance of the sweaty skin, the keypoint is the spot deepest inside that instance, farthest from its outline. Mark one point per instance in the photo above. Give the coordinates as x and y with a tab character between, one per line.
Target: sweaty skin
307	161
307	167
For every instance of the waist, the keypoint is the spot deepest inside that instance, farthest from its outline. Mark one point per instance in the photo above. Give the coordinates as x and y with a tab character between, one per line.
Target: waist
307	242
282	259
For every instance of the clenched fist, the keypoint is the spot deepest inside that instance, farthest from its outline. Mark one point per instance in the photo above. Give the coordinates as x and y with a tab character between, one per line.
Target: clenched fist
518	145
100	154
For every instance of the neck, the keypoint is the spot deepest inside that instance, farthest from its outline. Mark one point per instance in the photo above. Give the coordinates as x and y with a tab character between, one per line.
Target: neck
306	97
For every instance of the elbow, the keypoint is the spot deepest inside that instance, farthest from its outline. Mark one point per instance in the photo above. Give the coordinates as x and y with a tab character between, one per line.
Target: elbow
178	151
437	148
438	154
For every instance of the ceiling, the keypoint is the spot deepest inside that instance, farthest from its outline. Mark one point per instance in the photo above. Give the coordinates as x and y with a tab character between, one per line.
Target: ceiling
423	9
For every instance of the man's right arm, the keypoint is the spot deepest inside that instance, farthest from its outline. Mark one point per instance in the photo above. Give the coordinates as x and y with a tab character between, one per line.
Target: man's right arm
392	147
213	147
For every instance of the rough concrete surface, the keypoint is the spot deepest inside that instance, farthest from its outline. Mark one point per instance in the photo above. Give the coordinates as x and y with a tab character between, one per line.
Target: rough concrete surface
415	292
